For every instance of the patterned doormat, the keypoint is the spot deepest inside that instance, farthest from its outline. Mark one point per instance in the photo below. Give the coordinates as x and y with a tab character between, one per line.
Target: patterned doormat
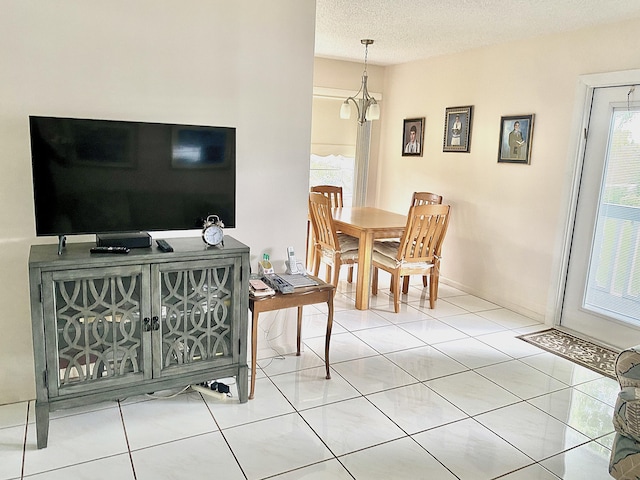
589	355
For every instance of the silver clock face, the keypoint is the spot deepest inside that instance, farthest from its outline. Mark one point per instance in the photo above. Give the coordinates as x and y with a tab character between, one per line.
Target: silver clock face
212	235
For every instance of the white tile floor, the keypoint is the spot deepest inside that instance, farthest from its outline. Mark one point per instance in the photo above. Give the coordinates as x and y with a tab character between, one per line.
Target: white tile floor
438	394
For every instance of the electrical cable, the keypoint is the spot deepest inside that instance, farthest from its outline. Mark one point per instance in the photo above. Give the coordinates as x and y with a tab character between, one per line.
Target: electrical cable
266	334
165	397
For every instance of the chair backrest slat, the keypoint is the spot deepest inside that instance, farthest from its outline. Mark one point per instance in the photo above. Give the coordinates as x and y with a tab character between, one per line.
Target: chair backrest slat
425	231
322	221
422	198
332	192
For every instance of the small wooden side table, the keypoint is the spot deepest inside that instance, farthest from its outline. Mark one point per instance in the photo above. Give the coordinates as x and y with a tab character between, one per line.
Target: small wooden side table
321	293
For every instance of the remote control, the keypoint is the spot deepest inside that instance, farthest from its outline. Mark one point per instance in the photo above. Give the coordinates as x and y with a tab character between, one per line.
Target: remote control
164	245
109	250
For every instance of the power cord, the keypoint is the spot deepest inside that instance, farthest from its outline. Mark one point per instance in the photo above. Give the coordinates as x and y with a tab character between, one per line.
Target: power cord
166	397
266	333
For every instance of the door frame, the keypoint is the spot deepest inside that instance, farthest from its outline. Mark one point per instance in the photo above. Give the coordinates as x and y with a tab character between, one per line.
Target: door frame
587	84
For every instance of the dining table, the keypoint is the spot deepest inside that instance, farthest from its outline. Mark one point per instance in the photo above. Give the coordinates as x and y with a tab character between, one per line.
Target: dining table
367	224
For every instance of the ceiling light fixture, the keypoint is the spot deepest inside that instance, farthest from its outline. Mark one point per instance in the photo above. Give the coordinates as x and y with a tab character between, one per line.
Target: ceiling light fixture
367	107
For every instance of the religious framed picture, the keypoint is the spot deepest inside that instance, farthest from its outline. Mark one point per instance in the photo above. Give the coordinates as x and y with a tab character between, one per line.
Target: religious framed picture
516	134
457	129
412	137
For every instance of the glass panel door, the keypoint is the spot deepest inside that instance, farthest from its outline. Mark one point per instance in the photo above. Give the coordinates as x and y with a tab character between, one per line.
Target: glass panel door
602	295
195	322
97	319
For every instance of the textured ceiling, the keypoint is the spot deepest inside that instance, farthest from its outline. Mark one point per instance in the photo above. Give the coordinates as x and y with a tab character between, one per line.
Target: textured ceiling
407	30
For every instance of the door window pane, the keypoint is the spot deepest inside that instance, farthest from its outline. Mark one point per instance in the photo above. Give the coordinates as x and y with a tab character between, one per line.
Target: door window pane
613	285
334	170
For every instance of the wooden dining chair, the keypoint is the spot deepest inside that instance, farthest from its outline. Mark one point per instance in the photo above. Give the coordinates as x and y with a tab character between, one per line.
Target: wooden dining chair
334	193
421	198
417	253
330	247
426	198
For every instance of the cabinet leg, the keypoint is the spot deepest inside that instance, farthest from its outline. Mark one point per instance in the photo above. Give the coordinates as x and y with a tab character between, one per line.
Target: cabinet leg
254	347
42	424
243	383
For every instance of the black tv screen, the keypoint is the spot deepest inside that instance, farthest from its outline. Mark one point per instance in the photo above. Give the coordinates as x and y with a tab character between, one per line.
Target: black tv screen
106	176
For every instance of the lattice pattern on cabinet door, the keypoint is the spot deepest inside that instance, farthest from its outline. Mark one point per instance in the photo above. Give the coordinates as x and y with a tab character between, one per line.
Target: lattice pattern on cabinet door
196	311
98	325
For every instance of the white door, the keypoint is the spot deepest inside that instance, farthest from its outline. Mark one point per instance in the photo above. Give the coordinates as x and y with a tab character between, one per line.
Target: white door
602	294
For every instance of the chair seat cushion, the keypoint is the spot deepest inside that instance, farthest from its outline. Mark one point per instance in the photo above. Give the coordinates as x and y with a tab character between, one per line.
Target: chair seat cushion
624	463
626	414
348	250
348	243
386	251
345	257
388	248
628	367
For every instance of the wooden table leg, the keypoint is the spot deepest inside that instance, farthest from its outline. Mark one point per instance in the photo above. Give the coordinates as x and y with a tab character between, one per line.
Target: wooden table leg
299	330
328	337
254	353
364	271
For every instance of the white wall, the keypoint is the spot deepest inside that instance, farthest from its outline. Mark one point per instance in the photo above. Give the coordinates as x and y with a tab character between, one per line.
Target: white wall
507	220
212	63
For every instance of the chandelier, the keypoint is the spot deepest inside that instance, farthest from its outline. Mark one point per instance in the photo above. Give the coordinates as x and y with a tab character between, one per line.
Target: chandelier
367	107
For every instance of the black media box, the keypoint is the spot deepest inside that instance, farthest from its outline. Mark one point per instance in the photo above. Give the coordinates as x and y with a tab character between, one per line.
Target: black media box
129	240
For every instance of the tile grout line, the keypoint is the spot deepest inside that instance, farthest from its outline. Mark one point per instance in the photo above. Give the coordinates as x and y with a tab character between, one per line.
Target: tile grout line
126	438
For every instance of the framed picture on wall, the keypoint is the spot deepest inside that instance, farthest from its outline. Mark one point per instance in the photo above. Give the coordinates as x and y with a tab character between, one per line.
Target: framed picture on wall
413	137
516	135
457	129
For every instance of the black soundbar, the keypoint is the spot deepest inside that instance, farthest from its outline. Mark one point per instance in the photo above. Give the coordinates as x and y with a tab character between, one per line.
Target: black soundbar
129	240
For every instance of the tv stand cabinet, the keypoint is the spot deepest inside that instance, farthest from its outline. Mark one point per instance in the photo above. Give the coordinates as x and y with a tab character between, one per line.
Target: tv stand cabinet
108	326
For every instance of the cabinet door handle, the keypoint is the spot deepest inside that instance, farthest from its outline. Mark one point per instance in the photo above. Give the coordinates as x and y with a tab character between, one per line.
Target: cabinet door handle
147	324
156	323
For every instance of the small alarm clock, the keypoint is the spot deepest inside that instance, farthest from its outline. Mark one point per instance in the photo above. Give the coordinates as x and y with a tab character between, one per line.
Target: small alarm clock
212	233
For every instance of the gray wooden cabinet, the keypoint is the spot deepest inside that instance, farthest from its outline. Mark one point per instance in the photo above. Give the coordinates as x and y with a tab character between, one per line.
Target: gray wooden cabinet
109	326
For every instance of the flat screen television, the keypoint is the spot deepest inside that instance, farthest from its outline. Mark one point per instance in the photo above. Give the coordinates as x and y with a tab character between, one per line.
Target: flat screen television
104	176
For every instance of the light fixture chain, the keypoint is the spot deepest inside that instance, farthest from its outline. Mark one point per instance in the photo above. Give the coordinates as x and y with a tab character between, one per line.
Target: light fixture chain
366	54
